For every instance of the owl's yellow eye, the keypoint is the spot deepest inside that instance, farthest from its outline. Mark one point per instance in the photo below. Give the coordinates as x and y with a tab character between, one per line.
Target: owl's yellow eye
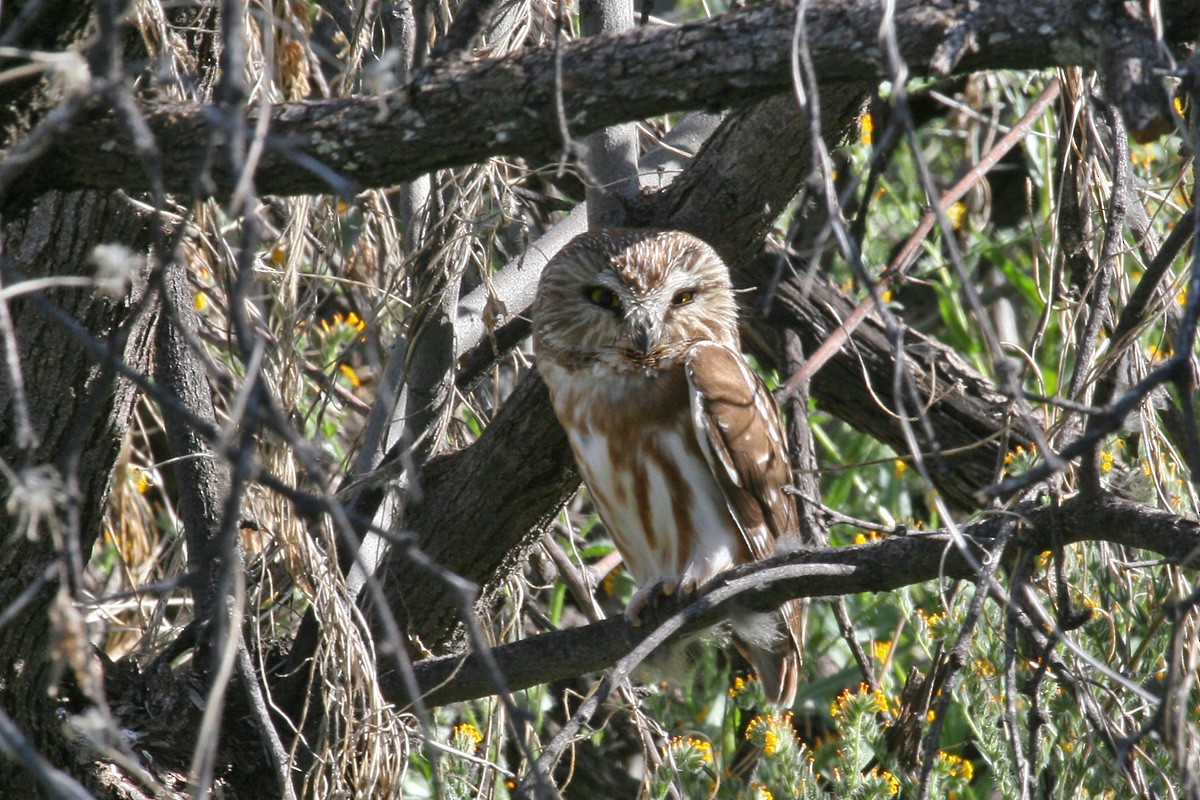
605	298
683	298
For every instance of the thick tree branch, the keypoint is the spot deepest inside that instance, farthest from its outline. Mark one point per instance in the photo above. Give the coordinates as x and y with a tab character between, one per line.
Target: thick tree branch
826	572
972	421
458	113
203	478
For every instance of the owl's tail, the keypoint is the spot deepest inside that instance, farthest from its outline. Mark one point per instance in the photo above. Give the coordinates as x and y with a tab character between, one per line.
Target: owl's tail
779	673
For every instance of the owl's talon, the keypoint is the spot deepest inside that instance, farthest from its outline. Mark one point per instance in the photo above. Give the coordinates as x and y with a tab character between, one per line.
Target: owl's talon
646	603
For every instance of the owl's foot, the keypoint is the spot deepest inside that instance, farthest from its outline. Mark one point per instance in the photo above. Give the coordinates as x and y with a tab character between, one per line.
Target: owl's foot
647	600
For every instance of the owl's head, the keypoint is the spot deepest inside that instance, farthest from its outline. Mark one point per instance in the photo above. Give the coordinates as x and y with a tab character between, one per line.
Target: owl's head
632	300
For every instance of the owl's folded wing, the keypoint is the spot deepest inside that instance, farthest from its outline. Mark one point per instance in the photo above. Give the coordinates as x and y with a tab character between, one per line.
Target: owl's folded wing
742	436
740	431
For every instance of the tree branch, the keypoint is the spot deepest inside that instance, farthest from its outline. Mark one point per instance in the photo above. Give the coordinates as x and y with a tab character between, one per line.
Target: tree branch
457	113
972	421
826	572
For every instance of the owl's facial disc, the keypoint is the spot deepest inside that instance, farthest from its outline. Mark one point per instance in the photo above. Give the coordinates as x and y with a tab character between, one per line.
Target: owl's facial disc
639	315
633	302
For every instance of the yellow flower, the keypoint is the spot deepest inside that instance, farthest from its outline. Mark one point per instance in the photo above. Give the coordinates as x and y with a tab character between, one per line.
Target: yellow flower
866	128
893	782
739	686
768	731
200	302
467	735
354	321
688	754
899	467
761	792
847	705
932	621
1106	461
930	715
1157	352
886	296
881	650
609	584
958	766
143	480
350	374
956	214
1142	156
277	255
837	709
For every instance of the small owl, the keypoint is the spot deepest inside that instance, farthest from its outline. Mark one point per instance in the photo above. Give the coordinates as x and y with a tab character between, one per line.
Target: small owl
677	439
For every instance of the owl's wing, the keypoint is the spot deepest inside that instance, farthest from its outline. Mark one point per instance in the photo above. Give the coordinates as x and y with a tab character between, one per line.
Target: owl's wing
740	431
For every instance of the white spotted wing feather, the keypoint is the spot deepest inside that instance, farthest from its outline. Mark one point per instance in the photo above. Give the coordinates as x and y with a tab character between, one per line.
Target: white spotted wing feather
740	433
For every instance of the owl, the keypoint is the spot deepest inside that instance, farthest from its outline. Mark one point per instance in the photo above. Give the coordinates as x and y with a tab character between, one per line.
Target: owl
678	440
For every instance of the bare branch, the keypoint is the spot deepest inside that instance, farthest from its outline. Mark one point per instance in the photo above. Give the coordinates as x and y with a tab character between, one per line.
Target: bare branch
612	176
458	113
826	572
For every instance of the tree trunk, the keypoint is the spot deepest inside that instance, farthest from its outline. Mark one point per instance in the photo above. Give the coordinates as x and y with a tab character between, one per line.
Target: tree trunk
78	413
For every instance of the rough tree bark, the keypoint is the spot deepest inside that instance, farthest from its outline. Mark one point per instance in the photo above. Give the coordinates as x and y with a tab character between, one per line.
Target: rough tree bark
459	112
79	415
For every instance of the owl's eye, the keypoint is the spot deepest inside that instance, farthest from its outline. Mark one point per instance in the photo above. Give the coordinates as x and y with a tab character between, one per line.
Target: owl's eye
683	298
604	298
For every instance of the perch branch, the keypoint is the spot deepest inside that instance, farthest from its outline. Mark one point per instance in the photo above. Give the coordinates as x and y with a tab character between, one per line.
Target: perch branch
824	572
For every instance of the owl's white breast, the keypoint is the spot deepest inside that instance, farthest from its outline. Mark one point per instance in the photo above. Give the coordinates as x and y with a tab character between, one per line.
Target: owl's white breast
636	447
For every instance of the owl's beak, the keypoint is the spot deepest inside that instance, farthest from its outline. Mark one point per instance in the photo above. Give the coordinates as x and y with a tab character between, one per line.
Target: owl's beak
644	337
